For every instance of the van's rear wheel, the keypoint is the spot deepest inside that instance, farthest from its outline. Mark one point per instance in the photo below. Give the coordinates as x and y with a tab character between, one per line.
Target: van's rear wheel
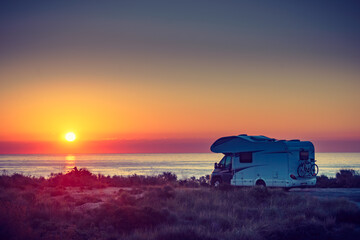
216	183
260	183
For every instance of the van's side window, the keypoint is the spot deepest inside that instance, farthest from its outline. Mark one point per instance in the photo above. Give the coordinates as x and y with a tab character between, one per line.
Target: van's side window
245	157
228	162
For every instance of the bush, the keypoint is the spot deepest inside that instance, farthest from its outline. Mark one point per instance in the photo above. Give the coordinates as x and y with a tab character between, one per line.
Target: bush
168	177
345	178
85	179
74	178
324	182
19	181
348	178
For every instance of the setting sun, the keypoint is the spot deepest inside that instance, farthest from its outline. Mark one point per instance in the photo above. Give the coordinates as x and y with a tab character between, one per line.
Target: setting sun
70	136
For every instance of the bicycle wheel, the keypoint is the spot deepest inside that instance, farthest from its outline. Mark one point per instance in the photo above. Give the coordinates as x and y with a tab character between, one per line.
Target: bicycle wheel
301	170
314	169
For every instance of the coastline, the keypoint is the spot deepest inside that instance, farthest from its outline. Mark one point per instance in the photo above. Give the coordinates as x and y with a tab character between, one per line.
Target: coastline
183	165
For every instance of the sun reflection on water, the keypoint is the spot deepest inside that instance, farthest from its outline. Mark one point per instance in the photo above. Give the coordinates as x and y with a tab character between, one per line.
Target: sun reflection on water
70	162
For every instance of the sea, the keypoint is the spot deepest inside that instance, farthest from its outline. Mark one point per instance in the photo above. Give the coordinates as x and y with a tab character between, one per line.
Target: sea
184	165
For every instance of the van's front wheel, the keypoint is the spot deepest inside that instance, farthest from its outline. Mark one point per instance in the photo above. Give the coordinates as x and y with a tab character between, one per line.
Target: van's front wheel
216	183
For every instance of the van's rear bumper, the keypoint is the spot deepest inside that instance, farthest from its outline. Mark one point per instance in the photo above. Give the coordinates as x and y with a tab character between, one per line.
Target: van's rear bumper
301	182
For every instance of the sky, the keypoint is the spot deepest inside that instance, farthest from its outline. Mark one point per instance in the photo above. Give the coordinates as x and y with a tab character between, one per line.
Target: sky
173	76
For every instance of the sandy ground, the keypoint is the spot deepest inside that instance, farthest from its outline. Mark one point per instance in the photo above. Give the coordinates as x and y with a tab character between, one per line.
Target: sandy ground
352	194
105	194
89	199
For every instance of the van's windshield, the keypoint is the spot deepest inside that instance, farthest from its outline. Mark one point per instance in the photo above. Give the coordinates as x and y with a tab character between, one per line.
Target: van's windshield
225	162
222	162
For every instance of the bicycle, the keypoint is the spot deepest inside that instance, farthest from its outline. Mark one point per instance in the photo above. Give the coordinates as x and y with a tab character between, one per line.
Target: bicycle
307	169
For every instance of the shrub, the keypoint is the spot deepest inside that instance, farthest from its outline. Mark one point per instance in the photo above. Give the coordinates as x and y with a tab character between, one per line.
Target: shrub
323	182
348	178
74	178
168	177
345	178
20	181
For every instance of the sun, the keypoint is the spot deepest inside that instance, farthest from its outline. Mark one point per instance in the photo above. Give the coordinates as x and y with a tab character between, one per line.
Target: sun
70	136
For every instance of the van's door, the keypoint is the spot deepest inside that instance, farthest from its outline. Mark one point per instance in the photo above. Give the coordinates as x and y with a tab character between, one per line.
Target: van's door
246	168
227	172
280	169
238	176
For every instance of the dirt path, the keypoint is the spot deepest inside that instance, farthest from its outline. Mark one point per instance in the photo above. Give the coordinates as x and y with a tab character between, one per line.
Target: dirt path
352	194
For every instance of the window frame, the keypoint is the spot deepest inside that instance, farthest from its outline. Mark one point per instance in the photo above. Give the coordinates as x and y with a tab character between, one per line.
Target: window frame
245	157
302	157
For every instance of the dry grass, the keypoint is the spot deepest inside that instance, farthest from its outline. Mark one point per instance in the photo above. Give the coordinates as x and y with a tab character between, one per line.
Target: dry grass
161	208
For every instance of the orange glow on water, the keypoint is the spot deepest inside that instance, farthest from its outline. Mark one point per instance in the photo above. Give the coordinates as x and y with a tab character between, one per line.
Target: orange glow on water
70	161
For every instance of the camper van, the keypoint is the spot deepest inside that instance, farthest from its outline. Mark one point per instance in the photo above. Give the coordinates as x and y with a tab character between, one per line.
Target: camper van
259	160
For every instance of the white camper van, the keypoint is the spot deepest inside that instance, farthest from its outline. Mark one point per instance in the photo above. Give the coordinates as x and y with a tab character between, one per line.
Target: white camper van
259	160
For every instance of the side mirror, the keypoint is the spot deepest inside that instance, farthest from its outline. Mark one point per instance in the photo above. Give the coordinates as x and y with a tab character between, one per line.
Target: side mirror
215	165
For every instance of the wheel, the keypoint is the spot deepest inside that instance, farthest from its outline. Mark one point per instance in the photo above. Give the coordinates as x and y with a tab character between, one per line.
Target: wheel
216	183
301	170
260	183
314	169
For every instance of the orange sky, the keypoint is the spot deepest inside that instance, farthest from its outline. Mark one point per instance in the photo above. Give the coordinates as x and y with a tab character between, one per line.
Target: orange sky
168	87
314	104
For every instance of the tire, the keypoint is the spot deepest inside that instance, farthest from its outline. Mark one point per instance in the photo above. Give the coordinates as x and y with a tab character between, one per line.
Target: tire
314	169
301	170
260	183
216	183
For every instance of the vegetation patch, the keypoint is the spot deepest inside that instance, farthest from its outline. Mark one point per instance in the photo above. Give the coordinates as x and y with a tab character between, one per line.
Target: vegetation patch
81	205
345	178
